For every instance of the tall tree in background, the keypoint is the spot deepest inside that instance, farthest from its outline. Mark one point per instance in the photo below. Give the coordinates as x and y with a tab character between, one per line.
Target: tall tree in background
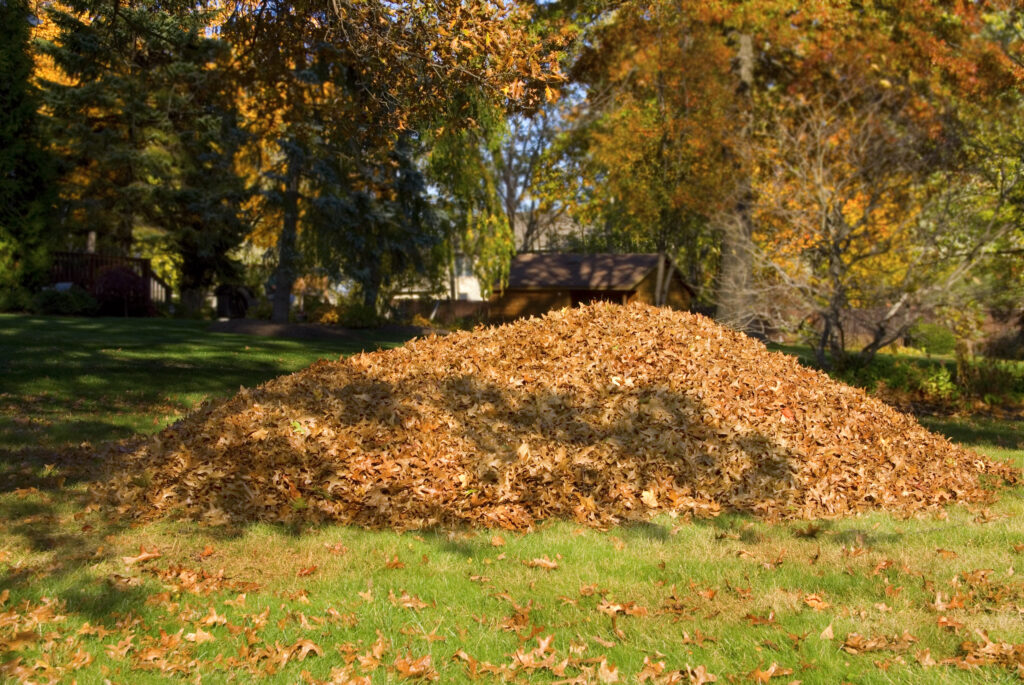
145	122
198	203
359	76
25	165
660	98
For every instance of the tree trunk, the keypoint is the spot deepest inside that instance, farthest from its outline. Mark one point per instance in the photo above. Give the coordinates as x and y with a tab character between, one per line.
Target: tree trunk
735	272
191	301
667	281
287	256
658	280
371	290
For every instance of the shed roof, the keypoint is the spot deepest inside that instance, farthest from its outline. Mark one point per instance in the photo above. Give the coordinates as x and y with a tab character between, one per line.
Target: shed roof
533	271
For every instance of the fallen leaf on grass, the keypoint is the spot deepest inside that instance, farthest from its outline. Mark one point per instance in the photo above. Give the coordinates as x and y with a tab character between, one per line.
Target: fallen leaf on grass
421	668
607	673
237	602
394	563
143	556
816	602
20	640
308	571
947	553
827	634
200	636
121	649
947	622
650	670
761	621
497	541
627	608
773	671
80	659
856	643
700	675
406	600
304	648
542	562
213	619
698	638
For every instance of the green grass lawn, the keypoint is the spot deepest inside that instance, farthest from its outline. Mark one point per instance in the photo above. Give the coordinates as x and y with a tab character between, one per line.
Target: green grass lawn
64	381
732	595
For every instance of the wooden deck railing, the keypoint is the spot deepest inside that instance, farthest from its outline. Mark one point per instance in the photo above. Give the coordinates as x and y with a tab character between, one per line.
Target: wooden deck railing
84	269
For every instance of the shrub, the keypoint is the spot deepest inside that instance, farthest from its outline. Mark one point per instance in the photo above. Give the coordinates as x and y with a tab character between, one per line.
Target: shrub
15	299
75	301
932	338
325	314
358	315
993	379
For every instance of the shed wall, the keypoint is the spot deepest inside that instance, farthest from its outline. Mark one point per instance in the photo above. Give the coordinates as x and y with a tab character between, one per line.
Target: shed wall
678	295
513	304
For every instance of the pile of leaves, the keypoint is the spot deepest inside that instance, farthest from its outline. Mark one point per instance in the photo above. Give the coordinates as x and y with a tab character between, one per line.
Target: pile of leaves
599	414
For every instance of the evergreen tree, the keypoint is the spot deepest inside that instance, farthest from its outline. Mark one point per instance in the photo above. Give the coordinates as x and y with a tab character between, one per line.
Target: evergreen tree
148	126
25	166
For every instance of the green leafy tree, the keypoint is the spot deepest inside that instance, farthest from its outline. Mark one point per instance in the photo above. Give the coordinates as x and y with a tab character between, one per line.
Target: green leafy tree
145	121
25	166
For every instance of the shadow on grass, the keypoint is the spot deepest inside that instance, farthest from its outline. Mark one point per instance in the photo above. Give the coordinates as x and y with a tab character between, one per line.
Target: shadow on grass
65	380
978	431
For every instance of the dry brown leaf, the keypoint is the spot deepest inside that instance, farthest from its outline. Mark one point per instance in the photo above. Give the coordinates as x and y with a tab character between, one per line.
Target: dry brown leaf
773	671
816	602
142	556
200	636
543	563
416	668
607	673
700	675
304	648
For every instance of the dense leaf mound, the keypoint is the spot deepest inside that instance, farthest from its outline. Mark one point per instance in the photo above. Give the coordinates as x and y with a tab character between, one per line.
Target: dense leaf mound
597	414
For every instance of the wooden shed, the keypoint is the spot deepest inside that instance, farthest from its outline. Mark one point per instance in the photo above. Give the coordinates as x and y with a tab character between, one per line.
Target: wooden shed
538	283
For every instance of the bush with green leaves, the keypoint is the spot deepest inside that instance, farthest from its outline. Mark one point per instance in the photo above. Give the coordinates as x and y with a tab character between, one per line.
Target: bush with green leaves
932	338
75	301
358	315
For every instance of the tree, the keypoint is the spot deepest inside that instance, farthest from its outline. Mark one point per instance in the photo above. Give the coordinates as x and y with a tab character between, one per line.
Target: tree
736	62
146	126
875	210
358	77
653	142
25	166
199	203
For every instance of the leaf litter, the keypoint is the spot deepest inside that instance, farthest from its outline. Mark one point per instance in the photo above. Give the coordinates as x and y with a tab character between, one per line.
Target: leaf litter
598	414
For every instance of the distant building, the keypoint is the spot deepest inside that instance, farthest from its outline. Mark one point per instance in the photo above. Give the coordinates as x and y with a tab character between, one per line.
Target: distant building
538	283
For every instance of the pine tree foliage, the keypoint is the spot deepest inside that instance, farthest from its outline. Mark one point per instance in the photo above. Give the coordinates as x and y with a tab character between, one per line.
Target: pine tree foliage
25	166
